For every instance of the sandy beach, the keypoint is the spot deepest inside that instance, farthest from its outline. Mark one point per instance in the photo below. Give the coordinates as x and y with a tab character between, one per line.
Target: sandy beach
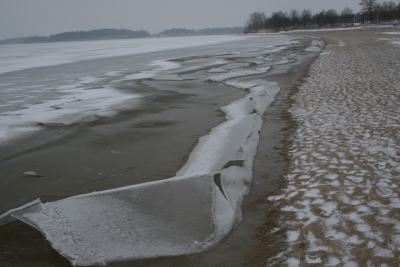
338	204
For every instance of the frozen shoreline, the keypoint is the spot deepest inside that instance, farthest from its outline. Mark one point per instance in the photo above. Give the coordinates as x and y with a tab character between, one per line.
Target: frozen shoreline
339	205
261	96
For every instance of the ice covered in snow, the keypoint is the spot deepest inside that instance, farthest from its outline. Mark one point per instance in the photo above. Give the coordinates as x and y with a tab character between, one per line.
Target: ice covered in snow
19	57
315	46
215	150
189	214
76	105
237	73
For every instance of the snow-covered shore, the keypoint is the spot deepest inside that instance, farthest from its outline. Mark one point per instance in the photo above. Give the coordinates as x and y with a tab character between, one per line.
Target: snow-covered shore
340	206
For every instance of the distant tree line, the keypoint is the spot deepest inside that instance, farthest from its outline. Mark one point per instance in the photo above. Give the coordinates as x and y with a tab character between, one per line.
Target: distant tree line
101	34
371	12
19	40
105	34
207	31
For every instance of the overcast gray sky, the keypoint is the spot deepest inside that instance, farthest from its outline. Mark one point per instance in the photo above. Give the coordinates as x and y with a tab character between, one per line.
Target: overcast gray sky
19	18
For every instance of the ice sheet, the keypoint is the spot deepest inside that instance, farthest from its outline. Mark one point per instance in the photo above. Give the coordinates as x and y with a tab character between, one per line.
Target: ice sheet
19	57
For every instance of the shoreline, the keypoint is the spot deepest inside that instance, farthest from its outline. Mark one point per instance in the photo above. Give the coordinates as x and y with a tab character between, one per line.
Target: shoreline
267	76
301	231
237	249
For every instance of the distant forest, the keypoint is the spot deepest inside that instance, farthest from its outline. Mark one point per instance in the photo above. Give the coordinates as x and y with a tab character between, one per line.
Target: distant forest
371	12
105	34
207	31
102	34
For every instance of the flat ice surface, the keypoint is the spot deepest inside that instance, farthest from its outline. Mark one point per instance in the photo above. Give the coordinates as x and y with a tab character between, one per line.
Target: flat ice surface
19	57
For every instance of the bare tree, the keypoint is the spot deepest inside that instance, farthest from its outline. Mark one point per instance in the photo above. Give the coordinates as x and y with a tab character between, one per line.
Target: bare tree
398	10
332	17
347	15
256	22
294	18
305	17
392	11
278	20
369	7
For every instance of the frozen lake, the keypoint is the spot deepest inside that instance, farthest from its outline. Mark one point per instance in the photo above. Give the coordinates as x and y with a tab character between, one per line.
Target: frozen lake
67	83
112	118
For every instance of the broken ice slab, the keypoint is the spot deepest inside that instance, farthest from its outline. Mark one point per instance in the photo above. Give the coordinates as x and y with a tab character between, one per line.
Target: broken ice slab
171	78
271	87
178	216
7	217
215	150
261	96
239	108
236	74
245	84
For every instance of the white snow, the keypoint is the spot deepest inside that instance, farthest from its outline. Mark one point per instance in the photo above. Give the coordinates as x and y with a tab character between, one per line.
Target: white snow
76	105
392	33
292	235
292	262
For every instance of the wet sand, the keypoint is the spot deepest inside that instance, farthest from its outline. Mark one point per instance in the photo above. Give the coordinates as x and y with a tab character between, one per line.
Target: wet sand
148	143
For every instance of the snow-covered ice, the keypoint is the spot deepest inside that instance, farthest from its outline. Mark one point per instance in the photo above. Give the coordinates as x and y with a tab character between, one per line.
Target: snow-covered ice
19	57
